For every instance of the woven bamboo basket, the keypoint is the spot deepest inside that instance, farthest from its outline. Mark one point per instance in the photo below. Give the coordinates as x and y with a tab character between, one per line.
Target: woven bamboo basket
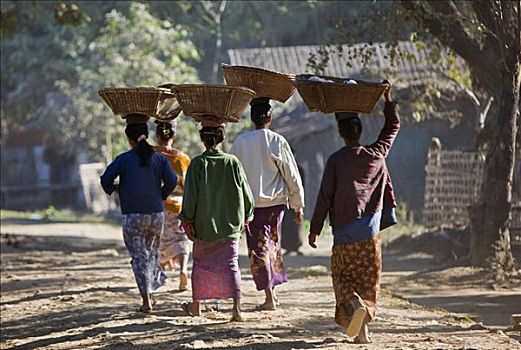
339	96
265	83
159	103
224	102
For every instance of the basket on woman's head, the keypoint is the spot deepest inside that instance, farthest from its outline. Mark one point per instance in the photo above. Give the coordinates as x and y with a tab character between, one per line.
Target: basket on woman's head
265	83
201	101
147	102
331	94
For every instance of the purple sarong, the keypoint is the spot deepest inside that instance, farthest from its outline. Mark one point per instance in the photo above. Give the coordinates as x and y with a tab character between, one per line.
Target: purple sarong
264	249
215	270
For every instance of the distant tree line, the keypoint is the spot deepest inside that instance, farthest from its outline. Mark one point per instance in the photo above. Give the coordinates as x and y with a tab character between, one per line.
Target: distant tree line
57	54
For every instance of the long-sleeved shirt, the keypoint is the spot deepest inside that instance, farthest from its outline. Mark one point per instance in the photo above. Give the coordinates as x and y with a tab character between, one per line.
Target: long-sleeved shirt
179	163
270	168
217	199
141	189
356	180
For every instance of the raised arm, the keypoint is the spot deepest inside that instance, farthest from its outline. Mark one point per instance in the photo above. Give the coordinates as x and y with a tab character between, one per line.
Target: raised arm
381	147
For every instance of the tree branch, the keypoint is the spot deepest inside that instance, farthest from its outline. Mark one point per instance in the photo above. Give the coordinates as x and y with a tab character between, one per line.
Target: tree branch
222	7
204	14
442	23
508	26
207	6
484	15
494	33
481	111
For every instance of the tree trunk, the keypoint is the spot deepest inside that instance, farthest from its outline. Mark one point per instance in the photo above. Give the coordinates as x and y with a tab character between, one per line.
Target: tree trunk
217	54
218	41
490	218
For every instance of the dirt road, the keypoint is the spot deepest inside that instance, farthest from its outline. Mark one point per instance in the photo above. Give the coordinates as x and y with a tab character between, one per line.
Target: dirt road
64	292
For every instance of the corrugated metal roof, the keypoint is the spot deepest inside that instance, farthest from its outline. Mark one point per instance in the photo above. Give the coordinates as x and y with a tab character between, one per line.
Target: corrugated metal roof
294	60
294	121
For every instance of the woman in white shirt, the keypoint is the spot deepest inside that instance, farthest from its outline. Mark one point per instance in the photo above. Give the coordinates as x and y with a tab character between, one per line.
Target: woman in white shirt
274	179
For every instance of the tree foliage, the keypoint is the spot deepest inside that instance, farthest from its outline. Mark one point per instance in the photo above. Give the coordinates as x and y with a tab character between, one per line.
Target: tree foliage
57	54
131	48
244	24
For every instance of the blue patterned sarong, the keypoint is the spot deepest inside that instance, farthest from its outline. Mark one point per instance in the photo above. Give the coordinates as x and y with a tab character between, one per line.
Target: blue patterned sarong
142	233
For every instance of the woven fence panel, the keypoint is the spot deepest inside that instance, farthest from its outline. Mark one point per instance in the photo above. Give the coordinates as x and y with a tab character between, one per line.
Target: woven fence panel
453	181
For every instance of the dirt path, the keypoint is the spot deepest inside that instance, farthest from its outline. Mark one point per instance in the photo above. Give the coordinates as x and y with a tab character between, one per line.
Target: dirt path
423	270
64	292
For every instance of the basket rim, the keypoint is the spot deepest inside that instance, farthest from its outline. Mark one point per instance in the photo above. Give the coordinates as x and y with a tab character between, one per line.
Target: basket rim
257	70
214	86
134	89
107	94
303	79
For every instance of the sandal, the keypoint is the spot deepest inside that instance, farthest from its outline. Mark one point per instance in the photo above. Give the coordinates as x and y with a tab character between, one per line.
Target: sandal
357	320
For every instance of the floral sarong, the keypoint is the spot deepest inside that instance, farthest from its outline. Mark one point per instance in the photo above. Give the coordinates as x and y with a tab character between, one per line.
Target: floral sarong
215	270
264	249
141	233
174	242
356	269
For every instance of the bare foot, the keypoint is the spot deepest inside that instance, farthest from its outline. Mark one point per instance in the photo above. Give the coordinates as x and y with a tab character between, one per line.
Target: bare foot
236	317
148	303
145	309
265	307
363	336
189	309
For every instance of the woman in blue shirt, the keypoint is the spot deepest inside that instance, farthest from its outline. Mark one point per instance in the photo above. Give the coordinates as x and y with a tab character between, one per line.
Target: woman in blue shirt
145	180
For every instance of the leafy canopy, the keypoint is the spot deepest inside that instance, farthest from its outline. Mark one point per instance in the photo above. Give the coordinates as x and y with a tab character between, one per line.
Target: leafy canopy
51	74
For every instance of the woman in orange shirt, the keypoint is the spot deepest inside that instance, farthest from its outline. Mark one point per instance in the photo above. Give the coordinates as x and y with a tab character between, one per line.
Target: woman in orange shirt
174	247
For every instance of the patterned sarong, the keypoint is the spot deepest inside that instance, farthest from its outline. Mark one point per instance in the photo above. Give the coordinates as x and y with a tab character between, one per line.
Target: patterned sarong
174	243
141	233
264	249
356	271
215	271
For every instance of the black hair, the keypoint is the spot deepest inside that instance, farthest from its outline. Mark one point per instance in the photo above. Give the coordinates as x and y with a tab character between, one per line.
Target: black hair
212	136
260	119
165	130
260	111
350	128
139	133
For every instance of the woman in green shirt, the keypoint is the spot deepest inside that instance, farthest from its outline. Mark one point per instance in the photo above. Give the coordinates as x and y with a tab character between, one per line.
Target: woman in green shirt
217	204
